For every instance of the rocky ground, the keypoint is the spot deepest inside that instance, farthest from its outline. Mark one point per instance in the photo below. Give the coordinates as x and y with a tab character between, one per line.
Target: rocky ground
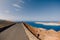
44	34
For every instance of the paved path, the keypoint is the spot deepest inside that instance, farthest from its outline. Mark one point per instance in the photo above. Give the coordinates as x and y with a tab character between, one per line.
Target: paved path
15	32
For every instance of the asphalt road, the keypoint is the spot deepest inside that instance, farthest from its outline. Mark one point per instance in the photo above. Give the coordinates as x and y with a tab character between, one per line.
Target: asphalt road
15	32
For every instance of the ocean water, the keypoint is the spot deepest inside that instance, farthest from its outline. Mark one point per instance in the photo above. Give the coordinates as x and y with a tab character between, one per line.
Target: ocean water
47	27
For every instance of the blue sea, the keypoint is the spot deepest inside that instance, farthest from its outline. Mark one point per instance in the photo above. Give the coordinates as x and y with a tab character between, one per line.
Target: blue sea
47	27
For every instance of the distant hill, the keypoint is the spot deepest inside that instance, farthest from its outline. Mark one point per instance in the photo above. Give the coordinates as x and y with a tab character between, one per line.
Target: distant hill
4	23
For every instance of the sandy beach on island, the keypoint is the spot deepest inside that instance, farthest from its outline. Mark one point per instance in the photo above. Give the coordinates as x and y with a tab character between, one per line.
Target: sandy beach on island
44	34
49	23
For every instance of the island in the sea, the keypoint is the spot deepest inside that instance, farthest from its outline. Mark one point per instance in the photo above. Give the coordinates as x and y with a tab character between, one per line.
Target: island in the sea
48	23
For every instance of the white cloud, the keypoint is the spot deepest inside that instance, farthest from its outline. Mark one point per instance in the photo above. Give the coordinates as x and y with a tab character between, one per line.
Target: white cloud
17	9
16	5
21	1
7	11
8	17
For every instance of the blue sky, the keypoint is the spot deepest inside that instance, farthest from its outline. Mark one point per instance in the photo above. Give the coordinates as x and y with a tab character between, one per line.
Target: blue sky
30	10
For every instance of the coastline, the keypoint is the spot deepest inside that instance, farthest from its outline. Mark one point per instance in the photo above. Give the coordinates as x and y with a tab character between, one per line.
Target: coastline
43	34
